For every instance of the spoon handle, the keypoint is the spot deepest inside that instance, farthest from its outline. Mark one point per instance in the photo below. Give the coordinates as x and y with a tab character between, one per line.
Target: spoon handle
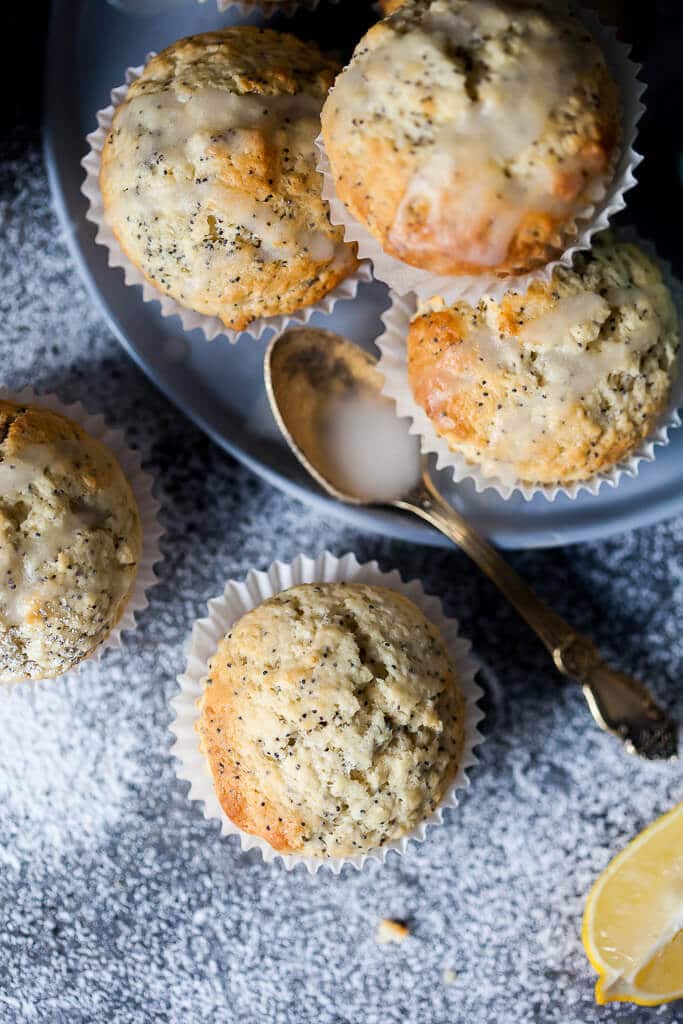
618	702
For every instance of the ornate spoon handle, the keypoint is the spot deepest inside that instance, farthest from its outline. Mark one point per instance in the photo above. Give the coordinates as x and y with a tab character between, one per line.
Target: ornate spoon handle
618	703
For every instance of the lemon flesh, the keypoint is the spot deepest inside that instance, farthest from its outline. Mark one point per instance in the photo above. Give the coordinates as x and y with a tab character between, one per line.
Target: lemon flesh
633	922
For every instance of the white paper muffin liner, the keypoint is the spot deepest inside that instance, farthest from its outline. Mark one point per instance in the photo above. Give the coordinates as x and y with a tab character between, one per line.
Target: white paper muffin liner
393	365
142	486
605	201
210	325
240	597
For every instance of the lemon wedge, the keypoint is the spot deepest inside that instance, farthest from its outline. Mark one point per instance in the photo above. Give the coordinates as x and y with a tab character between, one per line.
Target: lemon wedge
633	921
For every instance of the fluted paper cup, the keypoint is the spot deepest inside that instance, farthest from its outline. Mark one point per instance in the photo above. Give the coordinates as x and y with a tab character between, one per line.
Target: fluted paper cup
211	326
605	199
393	365
239	597
142	486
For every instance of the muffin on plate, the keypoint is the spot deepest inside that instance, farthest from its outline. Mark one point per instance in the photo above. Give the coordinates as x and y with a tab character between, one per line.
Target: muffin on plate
208	176
559	383
466	135
70	543
332	719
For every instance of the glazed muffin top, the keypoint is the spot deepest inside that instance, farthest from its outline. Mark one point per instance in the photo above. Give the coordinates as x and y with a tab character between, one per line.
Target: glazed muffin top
556	384
332	719
70	542
466	134
208	175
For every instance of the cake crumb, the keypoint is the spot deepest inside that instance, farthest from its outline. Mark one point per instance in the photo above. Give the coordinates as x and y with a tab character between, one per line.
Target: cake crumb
392	931
449	976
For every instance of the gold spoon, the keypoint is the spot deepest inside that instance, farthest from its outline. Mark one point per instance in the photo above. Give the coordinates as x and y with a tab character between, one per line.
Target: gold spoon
309	374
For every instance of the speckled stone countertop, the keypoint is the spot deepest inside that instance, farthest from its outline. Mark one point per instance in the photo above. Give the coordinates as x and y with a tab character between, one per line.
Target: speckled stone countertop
120	903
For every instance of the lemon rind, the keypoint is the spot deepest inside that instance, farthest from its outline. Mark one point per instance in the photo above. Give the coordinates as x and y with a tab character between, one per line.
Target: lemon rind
603	970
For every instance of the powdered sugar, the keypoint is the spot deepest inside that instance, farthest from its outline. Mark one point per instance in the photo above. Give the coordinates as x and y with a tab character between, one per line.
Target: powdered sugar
63	788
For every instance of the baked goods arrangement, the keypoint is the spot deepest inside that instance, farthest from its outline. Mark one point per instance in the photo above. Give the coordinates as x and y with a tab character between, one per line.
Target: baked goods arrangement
472	140
334	717
326	711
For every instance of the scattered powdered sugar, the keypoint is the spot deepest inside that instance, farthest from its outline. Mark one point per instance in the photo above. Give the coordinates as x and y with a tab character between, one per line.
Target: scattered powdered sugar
120	903
67	762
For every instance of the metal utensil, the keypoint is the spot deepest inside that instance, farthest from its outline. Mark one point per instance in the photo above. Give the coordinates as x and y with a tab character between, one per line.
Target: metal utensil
308	371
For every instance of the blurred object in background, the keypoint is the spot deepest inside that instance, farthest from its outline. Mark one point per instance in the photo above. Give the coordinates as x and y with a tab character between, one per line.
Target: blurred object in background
146	6
611	11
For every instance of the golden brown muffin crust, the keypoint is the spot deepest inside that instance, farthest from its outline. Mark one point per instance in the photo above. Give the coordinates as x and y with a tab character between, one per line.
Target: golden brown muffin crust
556	384
465	134
242	60
208	176
332	720
70	542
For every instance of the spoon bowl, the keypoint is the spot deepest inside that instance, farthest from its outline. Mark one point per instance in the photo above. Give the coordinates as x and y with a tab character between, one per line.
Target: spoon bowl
326	395
306	370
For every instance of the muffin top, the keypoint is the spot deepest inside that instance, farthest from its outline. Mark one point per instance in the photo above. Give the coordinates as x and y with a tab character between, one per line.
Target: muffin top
466	134
208	175
556	384
70	542
332	719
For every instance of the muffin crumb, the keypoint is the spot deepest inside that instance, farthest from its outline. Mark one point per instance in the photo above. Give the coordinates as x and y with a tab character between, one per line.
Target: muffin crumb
389	930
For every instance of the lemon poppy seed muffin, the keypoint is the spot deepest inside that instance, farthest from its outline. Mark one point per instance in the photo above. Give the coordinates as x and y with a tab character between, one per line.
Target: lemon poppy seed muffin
465	135
332	719
556	384
208	176
70	543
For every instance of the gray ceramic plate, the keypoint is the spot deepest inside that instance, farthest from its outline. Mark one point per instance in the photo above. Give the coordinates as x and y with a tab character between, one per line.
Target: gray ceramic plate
219	385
